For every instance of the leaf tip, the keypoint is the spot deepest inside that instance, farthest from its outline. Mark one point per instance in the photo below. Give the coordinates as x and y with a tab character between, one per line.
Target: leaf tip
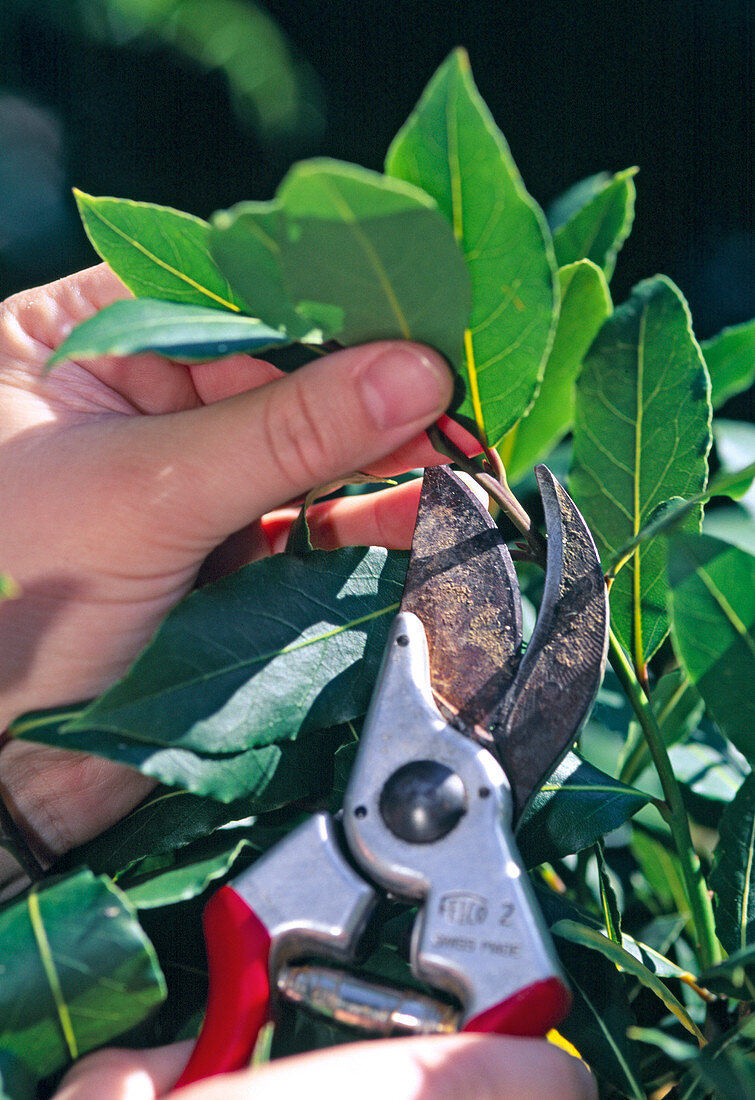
461	56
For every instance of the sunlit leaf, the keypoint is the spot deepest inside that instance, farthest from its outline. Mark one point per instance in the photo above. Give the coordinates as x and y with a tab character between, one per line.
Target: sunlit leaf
709	764
77	971
732	879
189	876
156	251
283	646
585	304
451	147
266	778
712	604
735	447
730	357
653	960
641	436
170	328
364	256
597	230
671	513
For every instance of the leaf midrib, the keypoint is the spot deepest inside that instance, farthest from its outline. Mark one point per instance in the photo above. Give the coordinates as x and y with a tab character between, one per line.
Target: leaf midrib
163	263
262	658
457	219
636	507
351	219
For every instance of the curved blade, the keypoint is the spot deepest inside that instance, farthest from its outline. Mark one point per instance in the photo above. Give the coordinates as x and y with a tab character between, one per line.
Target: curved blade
462	585
560	673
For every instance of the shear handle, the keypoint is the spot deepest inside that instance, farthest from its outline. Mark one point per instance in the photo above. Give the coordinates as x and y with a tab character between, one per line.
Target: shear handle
302	898
238	954
530	1012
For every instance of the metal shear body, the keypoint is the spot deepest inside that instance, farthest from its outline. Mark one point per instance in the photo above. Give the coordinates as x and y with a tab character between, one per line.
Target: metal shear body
427	817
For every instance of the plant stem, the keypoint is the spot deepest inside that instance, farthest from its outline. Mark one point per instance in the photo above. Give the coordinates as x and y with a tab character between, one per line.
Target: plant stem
701	908
498	490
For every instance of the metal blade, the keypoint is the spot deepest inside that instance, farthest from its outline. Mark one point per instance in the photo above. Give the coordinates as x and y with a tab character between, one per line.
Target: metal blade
560	672
462	585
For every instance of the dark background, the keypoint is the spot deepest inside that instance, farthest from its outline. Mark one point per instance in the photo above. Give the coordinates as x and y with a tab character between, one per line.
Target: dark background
114	106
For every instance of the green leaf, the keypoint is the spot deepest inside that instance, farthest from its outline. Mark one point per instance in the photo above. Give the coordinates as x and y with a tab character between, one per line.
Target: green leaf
77	971
600	1015
167	820
661	868
371	256
641	436
574	807
598	229
734	977
156	251
671	513
735	447
712	606
268	777
608	900
597	941
732	880
451	147
284	646
585	304
189	876
730	358
17	1081
677	708
563	208
726	1064
175	329
675	1049
653	960
709	764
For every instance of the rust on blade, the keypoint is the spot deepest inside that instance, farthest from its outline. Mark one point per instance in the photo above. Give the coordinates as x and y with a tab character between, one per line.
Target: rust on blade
561	671
462	585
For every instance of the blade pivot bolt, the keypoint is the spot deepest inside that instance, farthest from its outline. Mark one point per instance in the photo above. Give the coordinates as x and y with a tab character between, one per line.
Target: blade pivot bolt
423	801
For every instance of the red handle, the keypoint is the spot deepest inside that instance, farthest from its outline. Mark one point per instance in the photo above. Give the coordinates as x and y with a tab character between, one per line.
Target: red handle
238	950
531	1011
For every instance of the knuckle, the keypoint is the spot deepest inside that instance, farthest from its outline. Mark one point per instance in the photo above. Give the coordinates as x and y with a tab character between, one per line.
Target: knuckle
298	439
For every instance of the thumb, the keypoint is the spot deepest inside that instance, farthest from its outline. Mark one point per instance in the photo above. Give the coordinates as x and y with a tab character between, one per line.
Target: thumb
237	459
458	1067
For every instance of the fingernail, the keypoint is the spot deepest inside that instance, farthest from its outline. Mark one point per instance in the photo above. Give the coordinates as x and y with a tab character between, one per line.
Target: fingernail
404	384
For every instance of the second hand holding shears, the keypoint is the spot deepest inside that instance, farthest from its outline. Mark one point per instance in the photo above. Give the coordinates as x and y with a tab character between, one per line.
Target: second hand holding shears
461	731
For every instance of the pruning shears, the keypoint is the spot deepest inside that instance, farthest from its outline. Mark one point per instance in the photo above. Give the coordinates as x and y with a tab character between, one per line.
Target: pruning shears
462	730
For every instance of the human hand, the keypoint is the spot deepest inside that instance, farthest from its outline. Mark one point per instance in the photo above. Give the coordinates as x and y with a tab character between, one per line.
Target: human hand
122	476
459	1067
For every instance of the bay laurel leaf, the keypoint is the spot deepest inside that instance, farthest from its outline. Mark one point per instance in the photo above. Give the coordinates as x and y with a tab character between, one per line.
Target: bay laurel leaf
175	329
451	147
642	433
157	252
